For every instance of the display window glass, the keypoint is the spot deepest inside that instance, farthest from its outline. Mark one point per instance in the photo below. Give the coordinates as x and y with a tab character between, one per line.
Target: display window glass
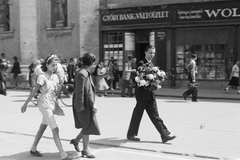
113	47
214	61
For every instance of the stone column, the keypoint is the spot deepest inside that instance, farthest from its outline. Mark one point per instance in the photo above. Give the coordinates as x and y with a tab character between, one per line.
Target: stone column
89	26
28	30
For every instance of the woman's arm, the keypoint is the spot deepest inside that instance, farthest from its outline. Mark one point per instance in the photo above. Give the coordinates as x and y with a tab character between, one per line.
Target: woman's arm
33	93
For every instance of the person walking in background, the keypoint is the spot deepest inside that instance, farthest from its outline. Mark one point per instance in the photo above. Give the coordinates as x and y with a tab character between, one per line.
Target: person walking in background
132	78
31	78
71	69
115	74
146	101
110	76
126	78
100	74
48	83
84	108
192	70
234	77
16	71
2	79
79	63
5	64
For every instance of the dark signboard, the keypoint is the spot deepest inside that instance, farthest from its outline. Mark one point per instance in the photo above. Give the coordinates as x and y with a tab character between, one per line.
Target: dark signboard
133	17
161	35
214	12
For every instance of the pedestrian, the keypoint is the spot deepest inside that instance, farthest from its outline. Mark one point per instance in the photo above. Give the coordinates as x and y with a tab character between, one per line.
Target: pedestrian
191	71
115	74
16	71
110	76
5	64
48	83
146	101
100	73
31	76
132	78
234	77
79	63
84	108
71	69
126	81
2	79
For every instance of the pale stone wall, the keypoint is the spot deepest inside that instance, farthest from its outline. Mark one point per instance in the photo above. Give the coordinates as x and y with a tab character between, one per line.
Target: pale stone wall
89	26
28	31
9	41
63	42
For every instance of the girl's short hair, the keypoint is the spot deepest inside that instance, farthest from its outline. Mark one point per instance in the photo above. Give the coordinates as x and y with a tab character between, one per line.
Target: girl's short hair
88	59
48	61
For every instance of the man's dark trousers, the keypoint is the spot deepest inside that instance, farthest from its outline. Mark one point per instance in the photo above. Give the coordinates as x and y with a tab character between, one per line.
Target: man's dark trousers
191	92
152	111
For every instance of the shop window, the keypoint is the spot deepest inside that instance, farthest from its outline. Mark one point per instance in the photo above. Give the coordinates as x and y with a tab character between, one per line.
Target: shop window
59	13
113	47
4	16
214	60
143	37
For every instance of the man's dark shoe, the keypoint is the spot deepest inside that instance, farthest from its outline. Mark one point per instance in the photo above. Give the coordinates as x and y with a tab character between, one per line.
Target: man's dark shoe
167	138
195	100
184	96
35	153
133	138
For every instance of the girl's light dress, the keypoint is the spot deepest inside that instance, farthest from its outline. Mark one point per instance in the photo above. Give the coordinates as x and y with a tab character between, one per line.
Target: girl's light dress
47	102
101	83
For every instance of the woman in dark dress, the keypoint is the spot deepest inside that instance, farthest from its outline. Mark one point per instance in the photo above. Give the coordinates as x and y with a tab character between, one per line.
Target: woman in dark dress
84	110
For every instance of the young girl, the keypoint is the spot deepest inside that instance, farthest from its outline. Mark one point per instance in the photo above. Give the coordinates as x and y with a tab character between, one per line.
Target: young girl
48	84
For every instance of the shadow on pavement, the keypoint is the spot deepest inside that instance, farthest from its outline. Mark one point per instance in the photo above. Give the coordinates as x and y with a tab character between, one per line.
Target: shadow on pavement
176	101
20	96
111	142
46	156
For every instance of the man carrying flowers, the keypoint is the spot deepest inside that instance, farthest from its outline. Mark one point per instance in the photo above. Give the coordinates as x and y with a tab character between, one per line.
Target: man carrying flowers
148	80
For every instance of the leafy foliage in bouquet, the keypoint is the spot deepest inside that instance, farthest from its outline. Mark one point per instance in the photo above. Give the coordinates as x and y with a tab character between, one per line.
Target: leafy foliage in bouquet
150	77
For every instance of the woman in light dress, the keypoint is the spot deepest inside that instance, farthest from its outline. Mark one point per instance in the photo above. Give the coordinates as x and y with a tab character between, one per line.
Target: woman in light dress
101	84
48	84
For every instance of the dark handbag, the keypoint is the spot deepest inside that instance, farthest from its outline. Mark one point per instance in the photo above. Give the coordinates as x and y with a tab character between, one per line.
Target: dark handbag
193	86
3	88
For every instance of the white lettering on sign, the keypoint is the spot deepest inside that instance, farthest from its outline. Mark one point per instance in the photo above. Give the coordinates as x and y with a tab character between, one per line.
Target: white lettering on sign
227	12
211	13
136	16
193	14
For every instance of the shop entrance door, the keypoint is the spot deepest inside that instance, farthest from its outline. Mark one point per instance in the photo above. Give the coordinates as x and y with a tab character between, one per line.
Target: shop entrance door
140	51
142	41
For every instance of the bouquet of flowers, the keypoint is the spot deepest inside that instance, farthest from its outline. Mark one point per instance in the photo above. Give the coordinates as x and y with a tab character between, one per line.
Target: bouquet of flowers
150	77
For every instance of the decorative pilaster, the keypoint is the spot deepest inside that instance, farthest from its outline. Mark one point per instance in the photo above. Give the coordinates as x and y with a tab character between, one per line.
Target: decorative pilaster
28	30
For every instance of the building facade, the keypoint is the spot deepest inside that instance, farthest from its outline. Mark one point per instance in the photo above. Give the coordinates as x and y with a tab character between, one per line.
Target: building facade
33	29
209	29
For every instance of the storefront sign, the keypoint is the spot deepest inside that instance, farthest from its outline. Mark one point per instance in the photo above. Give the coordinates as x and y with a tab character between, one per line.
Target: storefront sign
161	35
138	17
205	13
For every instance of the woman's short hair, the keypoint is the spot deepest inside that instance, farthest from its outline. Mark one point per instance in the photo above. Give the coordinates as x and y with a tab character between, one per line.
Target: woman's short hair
88	59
